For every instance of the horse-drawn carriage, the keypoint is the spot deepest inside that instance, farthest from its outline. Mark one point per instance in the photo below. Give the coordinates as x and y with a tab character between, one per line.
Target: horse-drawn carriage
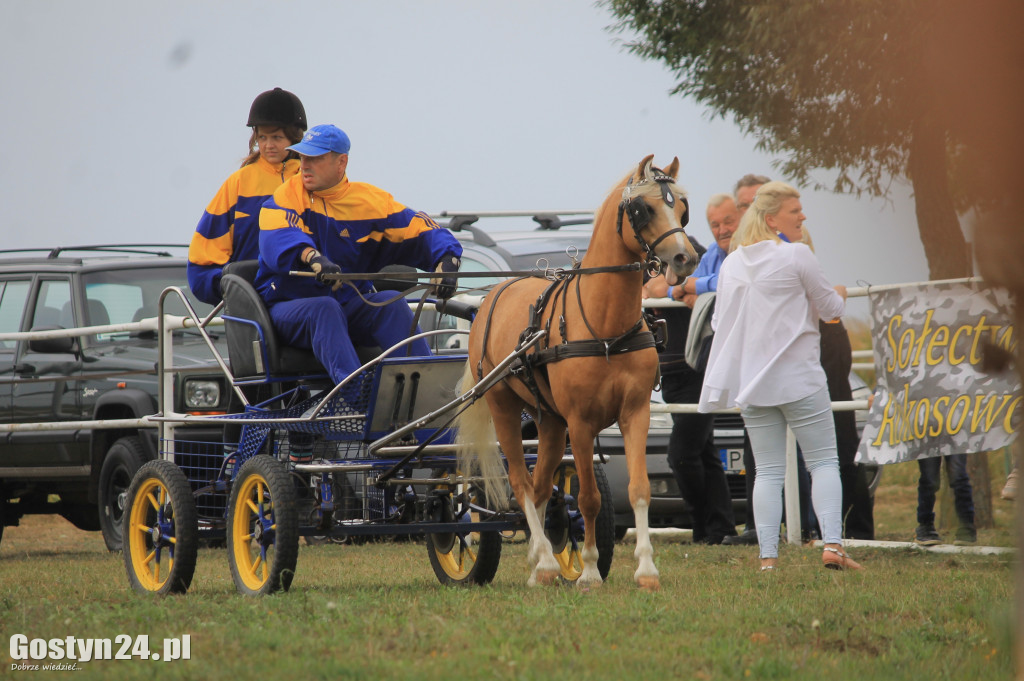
379	453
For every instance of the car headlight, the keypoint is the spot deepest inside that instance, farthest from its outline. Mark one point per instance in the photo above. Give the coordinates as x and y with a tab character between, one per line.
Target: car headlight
201	393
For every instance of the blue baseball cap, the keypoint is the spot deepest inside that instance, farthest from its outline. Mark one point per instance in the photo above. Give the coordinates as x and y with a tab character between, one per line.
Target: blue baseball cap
322	138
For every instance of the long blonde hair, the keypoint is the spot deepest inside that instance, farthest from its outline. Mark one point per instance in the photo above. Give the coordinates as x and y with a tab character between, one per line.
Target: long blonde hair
768	201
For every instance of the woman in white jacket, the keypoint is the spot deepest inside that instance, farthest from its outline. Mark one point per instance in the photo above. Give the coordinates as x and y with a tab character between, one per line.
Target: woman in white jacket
765	358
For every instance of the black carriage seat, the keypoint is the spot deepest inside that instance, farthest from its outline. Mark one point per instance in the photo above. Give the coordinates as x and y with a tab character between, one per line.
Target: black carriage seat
255	354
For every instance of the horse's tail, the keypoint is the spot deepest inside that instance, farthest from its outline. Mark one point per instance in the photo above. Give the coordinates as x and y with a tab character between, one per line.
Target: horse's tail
478	452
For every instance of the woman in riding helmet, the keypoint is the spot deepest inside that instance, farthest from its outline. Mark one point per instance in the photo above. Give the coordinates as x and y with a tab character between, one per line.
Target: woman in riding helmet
229	229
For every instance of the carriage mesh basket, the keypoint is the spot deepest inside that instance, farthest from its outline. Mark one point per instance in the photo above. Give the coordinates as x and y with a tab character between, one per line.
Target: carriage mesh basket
352	406
201	462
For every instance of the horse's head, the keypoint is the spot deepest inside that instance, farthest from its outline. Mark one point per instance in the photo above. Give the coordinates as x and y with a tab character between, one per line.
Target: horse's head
657	209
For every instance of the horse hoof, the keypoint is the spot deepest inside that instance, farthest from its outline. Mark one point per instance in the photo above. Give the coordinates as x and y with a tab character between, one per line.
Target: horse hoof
648	583
545	577
587	585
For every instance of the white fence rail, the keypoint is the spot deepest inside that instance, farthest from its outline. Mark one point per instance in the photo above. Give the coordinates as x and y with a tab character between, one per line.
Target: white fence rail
167	324
170	324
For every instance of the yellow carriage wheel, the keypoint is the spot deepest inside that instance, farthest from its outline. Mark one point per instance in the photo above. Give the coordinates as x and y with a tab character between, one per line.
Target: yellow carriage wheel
160	530
559	527
460	557
564	525
263	528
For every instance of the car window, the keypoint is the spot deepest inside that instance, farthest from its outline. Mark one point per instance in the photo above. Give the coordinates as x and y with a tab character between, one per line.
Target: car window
13	295
53	304
470	264
129	295
120	300
475	259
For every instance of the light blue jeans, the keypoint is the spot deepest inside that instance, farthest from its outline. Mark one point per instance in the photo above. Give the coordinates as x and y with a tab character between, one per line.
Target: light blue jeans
812	423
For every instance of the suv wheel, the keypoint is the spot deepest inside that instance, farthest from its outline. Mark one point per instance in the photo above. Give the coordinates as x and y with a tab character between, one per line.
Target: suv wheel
123	460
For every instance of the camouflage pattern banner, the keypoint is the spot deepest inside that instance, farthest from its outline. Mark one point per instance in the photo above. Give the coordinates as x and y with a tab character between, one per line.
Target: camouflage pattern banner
932	397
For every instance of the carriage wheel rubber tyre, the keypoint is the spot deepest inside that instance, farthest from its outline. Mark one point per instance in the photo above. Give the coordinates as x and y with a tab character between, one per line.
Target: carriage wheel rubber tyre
160	530
468	558
568	545
263	527
123	460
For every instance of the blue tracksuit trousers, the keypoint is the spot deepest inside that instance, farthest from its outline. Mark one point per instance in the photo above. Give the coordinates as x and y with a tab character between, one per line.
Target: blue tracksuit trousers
332	330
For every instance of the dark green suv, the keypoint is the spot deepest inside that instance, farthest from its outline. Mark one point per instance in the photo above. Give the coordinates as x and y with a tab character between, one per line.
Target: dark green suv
59	464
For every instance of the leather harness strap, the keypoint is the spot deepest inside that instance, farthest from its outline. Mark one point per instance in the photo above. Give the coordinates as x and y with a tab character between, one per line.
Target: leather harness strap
527	366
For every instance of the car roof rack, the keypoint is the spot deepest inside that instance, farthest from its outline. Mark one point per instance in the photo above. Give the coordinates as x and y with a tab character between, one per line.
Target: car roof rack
547	220
465	222
552	221
509	213
136	249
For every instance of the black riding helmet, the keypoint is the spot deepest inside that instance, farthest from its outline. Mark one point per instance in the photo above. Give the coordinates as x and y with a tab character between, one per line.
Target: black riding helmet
277	107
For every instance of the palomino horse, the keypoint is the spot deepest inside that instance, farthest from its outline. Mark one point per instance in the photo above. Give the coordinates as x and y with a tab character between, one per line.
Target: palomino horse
597	365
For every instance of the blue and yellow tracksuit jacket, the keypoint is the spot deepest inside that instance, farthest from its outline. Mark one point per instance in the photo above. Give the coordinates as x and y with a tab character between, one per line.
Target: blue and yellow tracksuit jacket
359	227
229	229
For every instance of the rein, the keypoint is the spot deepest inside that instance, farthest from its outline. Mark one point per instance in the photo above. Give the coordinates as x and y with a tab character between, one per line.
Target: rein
549	273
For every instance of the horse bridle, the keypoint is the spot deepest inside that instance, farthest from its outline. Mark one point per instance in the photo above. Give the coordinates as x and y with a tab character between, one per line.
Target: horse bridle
640	215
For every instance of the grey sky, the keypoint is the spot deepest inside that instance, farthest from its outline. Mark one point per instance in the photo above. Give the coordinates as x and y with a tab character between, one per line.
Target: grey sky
123	118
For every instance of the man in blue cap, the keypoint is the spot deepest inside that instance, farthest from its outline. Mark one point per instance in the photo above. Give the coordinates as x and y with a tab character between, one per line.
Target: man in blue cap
318	220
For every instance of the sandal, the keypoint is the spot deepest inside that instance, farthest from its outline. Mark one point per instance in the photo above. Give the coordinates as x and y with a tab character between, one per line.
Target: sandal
835	559
767	568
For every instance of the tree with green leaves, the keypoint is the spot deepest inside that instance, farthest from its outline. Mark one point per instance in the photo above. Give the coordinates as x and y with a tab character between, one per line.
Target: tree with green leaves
840	85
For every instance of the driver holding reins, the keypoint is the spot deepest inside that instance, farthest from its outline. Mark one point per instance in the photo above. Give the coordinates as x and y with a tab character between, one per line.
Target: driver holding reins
318	220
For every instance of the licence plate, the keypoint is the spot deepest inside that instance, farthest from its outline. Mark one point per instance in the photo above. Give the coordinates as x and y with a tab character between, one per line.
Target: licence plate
732	460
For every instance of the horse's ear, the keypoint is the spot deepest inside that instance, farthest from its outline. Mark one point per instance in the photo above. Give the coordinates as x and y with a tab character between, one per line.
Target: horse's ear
643	171
673	168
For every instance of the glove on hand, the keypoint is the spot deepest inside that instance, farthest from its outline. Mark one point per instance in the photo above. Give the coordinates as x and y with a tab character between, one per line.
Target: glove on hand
321	265
446	285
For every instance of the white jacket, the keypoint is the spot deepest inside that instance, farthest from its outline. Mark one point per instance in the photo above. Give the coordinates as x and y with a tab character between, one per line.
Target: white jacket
766	349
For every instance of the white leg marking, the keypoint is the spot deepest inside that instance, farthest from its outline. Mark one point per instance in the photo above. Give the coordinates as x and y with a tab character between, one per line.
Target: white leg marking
591	576
544	567
646	574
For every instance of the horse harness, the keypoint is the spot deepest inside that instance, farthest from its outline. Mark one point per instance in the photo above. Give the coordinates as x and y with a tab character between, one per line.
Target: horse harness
527	366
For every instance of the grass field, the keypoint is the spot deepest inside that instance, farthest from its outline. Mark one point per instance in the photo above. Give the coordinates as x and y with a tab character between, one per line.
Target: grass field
377	611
